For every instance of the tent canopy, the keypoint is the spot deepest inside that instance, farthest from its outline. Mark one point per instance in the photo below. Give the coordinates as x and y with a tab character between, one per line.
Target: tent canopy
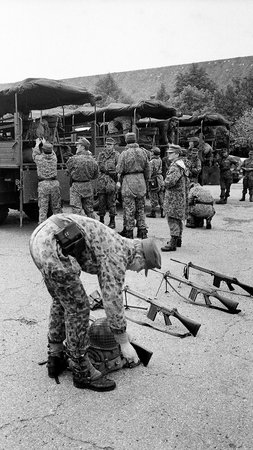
41	94
212	120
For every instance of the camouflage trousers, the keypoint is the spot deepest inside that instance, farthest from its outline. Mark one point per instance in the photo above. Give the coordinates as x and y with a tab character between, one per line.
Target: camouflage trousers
133	208
156	198
175	226
77	202
69	313
107	202
49	194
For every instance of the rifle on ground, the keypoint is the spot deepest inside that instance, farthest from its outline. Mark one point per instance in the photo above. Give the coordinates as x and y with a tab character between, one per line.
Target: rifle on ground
218	277
231	305
155	308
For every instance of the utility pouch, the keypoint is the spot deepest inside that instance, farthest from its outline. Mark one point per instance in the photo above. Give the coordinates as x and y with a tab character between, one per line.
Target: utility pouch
153	184
70	239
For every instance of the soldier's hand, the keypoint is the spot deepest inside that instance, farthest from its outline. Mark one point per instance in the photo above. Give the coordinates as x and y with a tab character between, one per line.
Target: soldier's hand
129	353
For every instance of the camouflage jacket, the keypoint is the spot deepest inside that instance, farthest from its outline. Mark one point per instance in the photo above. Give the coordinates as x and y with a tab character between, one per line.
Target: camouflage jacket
133	166
247	168
200	202
46	163
176	190
106	254
82	166
107	177
155	166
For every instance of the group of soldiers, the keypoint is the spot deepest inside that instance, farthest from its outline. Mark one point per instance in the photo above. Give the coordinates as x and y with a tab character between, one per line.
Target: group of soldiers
64	245
135	173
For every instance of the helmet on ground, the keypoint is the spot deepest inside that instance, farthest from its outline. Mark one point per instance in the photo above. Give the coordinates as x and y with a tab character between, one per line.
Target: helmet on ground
101	336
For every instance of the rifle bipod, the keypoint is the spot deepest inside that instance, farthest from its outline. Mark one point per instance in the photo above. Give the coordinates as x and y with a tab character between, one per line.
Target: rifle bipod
231	305
156	308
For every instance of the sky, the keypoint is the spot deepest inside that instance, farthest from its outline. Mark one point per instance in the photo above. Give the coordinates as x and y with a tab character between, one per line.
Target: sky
61	39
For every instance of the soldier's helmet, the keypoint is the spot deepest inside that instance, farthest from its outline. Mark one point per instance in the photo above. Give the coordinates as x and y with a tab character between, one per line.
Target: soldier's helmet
101	336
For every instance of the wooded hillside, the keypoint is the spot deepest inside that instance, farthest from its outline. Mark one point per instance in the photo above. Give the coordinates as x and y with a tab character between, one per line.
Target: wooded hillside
142	84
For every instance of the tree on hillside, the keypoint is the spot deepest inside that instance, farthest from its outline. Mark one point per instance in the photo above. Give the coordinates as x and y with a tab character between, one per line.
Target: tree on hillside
162	94
192	100
242	130
109	90
195	77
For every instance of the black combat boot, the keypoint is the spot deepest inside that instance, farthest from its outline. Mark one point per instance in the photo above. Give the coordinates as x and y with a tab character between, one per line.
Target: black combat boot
152	214
243	198
57	359
142	234
171	246
179	242
102	219
85	376
162	213
129	234
208	224
190	222
112	222
222	201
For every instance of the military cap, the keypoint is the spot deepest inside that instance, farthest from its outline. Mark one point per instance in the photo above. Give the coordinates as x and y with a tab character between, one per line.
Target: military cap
110	141
47	148
151	254
130	138
156	151
83	141
173	148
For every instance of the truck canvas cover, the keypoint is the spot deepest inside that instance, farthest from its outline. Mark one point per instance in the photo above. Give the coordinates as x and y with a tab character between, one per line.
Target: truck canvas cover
42	93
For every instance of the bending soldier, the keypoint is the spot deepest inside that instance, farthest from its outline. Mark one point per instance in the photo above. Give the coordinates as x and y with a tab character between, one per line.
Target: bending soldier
94	248
200	207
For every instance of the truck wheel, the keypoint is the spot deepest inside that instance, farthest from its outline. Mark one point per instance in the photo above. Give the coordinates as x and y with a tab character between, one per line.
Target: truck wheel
32	211
3	213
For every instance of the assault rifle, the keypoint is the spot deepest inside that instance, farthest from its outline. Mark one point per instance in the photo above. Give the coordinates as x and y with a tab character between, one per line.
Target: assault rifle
218	277
231	305
155	308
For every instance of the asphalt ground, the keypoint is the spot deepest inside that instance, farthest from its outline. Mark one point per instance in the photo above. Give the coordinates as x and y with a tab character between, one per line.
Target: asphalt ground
196	392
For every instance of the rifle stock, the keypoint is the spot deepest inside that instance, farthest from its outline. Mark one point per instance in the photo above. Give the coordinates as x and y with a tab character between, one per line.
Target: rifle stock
143	354
231	305
192	327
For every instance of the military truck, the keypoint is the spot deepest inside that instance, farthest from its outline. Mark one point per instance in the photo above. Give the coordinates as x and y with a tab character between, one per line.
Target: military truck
18	132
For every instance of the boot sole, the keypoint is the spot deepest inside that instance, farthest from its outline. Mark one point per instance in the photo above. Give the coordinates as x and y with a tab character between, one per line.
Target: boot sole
94	387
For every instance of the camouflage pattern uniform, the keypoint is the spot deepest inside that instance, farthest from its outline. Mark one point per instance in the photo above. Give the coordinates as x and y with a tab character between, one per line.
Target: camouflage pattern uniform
193	164
226	162
48	186
200	203
106	254
107	178
176	197
156	196
133	166
247	168
82	169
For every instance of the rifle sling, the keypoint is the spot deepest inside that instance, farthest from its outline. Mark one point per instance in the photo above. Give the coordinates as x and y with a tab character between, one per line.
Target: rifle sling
156	327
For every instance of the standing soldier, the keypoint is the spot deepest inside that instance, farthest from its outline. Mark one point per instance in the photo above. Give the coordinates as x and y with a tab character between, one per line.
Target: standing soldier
133	170
175	198
156	183
193	164
227	163
247	168
83	169
48	186
107	179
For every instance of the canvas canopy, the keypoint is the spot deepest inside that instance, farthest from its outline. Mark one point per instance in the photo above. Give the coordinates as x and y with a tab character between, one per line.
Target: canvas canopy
211	120
41	94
